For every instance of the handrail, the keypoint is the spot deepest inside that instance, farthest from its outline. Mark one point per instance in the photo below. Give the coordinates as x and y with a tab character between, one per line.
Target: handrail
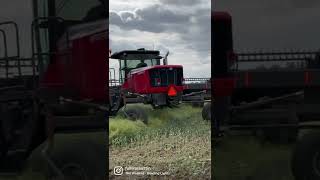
17	35
16	29
112	79
3	33
275	56
305	57
114	82
5	52
197	79
110	73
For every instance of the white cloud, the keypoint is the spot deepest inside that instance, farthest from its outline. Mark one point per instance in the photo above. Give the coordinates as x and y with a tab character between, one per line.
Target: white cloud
129	5
185	32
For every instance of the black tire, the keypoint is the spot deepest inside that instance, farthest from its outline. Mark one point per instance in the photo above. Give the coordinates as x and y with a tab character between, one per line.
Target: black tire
136	113
206	111
82	160
305	162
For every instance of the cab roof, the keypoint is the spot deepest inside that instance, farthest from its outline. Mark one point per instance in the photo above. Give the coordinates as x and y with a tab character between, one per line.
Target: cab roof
121	54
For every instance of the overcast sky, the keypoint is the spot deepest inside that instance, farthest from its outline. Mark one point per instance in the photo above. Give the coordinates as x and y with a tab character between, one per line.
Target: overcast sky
180	26
273	24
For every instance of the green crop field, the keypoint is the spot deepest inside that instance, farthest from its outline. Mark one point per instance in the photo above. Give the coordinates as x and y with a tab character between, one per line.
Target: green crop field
247	158
35	166
178	140
175	140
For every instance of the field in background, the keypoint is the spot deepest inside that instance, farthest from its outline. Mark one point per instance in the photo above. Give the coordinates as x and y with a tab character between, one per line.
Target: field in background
36	165
175	140
178	140
246	158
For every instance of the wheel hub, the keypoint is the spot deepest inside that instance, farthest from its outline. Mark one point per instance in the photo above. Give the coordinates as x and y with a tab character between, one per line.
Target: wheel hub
133	116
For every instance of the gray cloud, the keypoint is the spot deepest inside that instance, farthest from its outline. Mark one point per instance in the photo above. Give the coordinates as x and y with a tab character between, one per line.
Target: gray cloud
120	45
115	19
180	2
160	14
193	28
182	27
201	34
152	19
127	15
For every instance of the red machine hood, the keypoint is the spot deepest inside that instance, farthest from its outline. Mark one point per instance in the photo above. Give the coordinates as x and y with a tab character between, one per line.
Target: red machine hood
134	71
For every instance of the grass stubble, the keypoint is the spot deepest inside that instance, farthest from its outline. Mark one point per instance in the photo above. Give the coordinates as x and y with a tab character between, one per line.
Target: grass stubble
176	141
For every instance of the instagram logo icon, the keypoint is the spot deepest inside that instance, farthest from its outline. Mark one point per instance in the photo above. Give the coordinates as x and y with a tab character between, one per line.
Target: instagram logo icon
118	170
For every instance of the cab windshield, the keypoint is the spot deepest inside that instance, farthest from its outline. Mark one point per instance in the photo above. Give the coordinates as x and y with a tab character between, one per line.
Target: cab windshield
134	61
133	64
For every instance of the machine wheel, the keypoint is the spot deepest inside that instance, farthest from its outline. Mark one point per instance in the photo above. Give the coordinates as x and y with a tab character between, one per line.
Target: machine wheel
206	111
80	161
135	113
306	157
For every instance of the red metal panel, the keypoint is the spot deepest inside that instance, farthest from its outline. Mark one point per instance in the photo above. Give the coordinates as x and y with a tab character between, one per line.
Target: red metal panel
83	72
164	89
139	81
53	77
223	86
247	79
307	78
153	67
90	74
221	15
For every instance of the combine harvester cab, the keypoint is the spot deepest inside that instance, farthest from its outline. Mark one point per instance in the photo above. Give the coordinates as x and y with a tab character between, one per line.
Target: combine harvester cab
144	79
158	82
